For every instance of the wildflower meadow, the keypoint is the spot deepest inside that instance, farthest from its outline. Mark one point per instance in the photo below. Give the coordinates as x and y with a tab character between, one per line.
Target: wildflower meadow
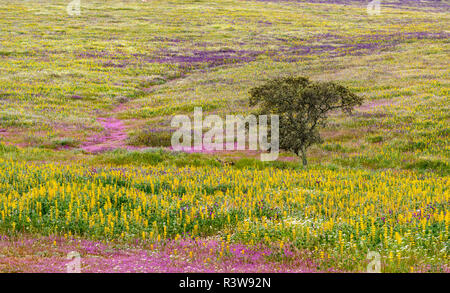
86	163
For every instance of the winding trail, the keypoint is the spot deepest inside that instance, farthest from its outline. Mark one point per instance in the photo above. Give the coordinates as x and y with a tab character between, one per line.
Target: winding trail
112	137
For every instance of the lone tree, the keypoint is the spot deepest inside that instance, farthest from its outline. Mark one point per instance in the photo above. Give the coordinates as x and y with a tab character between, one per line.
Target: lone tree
302	106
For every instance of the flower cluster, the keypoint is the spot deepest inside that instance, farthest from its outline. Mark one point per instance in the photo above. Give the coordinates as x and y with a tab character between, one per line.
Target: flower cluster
341	214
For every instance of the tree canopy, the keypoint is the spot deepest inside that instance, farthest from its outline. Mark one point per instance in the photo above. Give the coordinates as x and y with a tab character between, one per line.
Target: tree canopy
303	106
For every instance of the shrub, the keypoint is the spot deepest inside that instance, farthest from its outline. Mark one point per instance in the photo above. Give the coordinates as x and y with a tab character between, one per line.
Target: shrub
151	137
375	139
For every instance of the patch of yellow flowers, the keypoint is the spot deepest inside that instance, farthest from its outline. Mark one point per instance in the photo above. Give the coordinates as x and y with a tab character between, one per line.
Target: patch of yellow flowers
346	212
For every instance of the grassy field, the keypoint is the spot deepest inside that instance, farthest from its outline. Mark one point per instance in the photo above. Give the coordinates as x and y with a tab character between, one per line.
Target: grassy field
85	109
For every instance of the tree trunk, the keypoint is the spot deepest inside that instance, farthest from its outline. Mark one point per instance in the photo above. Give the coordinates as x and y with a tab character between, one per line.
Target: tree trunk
302	153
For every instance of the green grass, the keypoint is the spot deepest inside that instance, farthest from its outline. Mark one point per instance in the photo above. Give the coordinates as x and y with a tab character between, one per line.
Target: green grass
58	74
77	72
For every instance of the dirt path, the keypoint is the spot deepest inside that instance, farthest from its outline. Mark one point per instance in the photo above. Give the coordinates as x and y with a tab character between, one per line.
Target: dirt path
112	137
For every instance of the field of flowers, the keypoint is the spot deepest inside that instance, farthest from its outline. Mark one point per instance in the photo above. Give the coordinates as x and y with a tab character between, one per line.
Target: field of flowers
339	215
85	109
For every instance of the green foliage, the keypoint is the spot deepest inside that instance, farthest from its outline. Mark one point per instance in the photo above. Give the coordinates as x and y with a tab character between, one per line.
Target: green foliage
154	156
123	157
62	142
412	146
7	148
375	139
256	164
333	147
439	167
151	137
303	106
